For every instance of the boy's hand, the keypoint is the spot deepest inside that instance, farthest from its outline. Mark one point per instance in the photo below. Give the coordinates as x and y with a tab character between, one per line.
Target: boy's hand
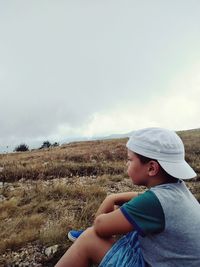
108	205
113	200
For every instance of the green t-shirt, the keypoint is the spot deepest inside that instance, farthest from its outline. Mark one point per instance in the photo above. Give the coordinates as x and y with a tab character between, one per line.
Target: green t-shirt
145	213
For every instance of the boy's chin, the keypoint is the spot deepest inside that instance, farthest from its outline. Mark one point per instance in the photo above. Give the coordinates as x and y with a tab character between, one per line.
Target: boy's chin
141	183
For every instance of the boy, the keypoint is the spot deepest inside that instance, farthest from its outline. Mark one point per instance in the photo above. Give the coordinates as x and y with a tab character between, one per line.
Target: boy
161	226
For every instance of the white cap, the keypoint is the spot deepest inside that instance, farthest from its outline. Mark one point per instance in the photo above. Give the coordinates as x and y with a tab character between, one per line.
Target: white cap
166	147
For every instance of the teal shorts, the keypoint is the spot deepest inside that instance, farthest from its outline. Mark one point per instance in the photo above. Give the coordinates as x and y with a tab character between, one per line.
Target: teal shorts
125	252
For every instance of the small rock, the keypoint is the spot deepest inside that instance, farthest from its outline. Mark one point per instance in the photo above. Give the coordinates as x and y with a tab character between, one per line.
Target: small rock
2	198
51	250
3	184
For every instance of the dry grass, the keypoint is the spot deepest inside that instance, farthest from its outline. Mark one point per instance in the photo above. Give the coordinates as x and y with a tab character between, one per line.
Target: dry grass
45	212
191	140
82	159
19	230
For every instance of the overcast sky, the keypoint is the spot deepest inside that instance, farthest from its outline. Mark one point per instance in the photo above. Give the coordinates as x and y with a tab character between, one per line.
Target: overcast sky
97	67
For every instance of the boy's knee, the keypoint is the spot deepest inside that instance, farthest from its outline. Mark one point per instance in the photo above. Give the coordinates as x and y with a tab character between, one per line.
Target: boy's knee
88	232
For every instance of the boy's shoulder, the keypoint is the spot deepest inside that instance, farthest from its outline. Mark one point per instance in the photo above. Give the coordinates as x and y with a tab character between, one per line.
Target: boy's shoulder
175	193
177	184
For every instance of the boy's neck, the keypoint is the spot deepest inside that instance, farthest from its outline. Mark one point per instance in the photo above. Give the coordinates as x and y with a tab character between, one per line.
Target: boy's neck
153	181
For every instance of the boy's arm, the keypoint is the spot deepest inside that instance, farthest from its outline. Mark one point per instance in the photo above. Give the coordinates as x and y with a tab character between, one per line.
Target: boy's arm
120	198
144	214
107	225
108	205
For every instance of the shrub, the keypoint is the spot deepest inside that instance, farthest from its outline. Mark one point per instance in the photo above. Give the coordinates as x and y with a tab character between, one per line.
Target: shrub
55	144
21	147
46	144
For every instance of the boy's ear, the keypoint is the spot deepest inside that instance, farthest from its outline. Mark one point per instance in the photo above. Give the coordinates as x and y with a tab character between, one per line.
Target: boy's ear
153	168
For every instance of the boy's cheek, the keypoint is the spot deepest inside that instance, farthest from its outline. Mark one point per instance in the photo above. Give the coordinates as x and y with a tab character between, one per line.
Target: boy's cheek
129	172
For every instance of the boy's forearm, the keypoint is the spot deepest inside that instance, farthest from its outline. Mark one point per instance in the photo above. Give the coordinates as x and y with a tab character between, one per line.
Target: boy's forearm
120	198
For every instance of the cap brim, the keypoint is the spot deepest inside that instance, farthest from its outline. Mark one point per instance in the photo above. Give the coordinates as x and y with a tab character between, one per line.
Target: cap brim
180	170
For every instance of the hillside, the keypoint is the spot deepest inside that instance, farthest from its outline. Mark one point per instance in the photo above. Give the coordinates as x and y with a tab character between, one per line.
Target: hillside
45	193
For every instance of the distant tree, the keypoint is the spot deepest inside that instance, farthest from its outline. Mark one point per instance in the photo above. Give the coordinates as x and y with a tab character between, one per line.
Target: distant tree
46	144
55	144
21	147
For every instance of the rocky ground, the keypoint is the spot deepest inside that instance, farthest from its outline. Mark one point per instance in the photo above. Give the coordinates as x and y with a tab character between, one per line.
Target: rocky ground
34	254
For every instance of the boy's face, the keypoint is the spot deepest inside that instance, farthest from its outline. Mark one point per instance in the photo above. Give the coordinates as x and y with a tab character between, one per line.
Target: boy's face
137	171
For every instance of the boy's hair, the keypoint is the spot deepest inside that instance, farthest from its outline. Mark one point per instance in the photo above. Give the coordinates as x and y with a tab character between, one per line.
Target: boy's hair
145	160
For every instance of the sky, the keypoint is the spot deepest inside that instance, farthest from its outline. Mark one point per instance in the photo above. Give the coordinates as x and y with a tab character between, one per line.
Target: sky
94	68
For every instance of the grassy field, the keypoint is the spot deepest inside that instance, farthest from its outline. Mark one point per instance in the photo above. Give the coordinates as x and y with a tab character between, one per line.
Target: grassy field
45	193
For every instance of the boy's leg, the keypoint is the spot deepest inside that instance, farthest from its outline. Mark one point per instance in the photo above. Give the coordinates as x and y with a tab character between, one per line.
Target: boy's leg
88	247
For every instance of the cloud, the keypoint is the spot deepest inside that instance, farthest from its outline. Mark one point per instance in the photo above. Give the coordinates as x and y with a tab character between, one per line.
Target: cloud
73	69
177	109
